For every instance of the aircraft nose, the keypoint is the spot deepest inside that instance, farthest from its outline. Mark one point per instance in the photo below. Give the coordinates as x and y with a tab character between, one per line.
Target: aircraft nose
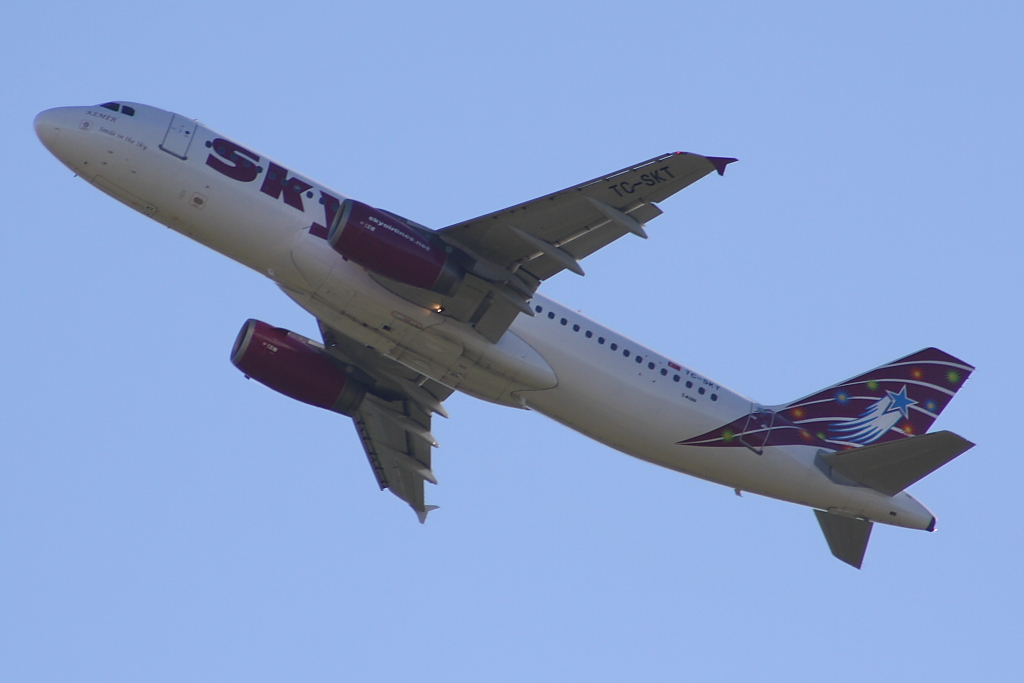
48	125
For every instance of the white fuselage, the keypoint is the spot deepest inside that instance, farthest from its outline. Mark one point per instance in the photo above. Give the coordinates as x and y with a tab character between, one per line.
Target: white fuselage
559	363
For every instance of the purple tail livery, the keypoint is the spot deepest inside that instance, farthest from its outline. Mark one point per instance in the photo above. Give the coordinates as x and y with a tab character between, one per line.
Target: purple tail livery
894	401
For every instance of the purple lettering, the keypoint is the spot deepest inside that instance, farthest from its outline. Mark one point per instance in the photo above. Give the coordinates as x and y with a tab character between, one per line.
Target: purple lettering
242	164
331	206
277	183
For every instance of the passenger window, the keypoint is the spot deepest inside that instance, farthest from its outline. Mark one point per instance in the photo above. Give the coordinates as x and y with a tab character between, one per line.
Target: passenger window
664	372
539	309
551	315
575	328
701	391
675	378
614	346
639	359
600	340
564	321
650	366
129	111
714	397
689	384
625	352
589	334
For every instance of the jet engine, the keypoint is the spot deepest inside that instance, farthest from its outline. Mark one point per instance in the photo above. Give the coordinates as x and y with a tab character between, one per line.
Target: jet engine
296	367
388	246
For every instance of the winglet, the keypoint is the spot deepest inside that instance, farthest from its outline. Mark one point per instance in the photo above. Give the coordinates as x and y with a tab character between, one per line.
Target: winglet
422	514
720	163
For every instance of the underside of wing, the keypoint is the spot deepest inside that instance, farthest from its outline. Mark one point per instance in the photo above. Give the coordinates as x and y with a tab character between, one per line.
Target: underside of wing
393	420
484	271
382	376
539	238
397	440
506	254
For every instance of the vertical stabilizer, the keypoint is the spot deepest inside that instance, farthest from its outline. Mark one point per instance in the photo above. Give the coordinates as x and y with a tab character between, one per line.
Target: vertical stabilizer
847	538
892	402
898	400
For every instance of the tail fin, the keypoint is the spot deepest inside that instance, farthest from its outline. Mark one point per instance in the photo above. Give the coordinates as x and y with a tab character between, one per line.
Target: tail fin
897	400
894	401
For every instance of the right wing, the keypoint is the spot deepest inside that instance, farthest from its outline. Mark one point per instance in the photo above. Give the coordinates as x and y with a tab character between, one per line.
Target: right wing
393	420
397	440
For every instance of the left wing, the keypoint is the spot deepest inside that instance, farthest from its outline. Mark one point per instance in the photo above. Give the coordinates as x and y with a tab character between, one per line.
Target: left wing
544	236
509	252
505	255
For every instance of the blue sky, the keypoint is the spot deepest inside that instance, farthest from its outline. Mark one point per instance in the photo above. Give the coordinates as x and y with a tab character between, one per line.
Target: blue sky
163	519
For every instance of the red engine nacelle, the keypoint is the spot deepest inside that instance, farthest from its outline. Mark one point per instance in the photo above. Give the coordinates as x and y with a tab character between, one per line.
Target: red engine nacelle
290	364
390	247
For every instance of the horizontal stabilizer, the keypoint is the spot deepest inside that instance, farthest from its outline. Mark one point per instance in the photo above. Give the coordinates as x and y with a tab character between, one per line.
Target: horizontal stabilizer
893	466
847	537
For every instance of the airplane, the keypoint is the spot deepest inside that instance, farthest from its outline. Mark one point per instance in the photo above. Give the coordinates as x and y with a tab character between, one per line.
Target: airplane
408	315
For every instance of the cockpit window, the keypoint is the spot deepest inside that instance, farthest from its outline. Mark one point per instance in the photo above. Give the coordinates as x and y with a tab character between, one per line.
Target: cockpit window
124	109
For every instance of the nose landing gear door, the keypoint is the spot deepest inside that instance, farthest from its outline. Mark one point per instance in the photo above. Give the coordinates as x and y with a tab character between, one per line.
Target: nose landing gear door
757	429
179	136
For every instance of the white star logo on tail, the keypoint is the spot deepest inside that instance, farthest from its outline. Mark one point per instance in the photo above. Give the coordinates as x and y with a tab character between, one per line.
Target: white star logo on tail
873	423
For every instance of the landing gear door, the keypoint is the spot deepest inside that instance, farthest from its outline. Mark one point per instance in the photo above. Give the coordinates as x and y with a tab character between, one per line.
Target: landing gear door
757	429
179	136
